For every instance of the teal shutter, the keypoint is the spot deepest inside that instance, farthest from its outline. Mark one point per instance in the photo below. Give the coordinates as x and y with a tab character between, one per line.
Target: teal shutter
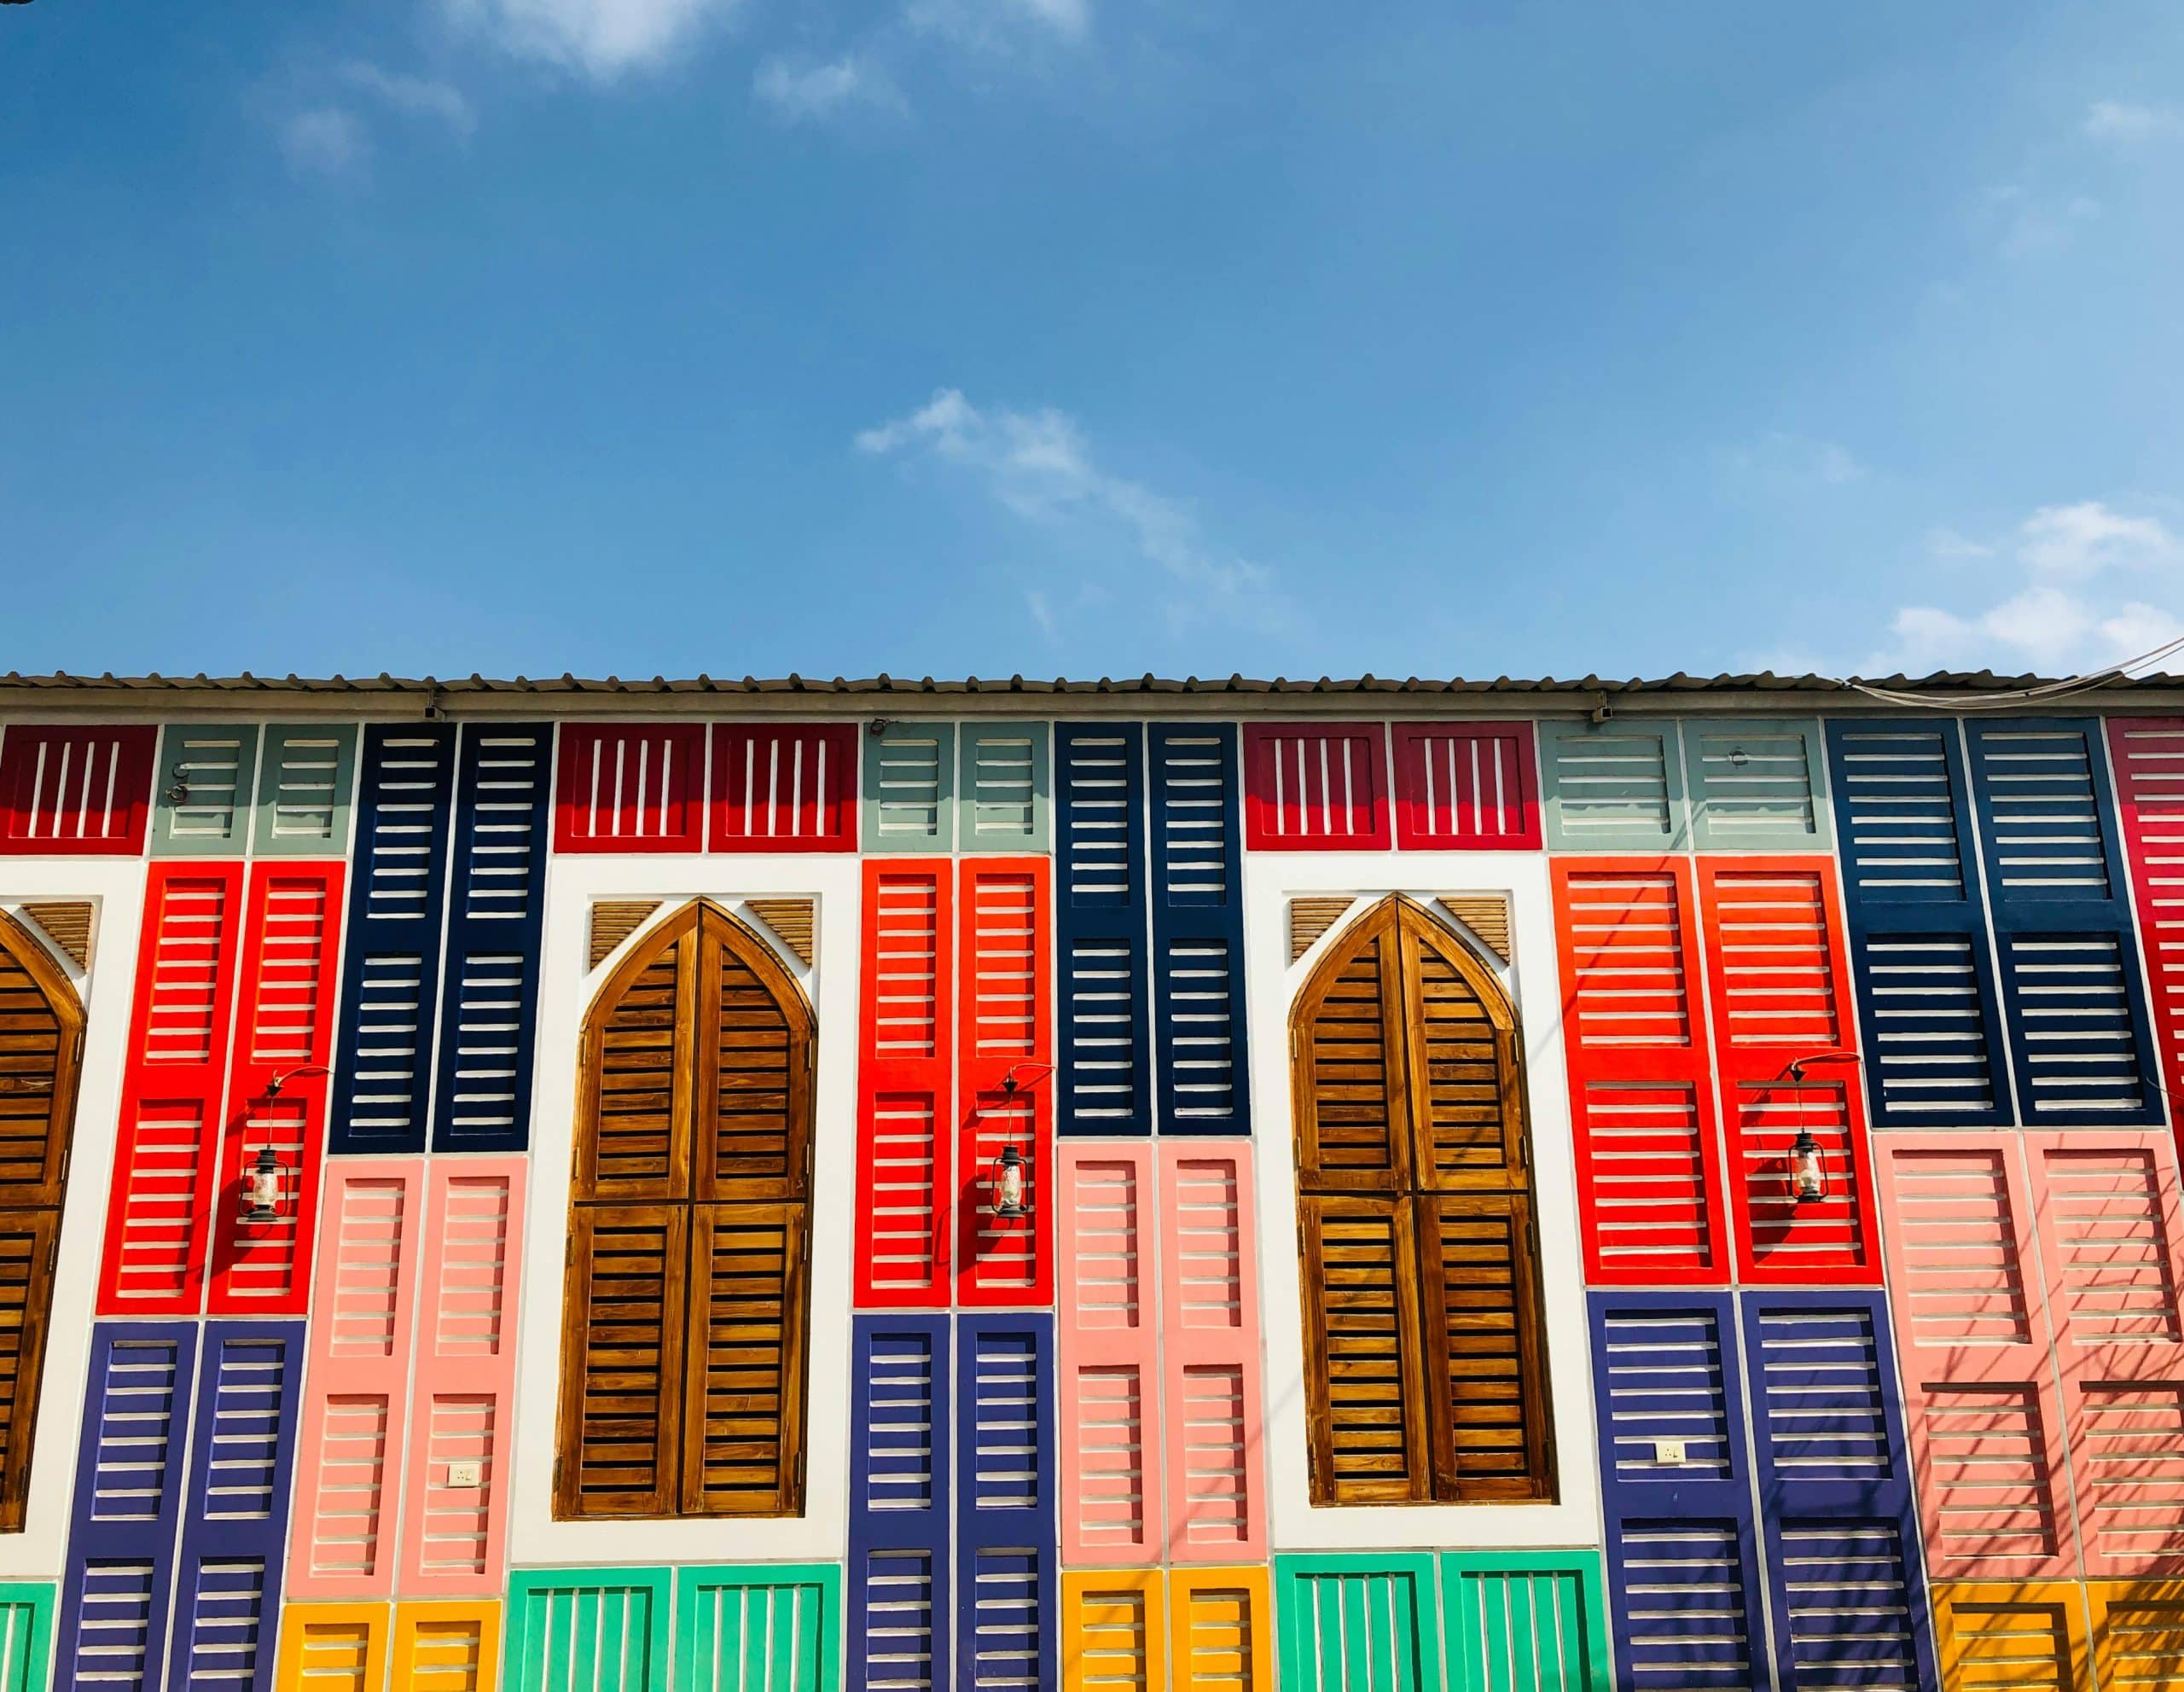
202	789
1525	1621
1360	1622
909	788
1002	787
26	1635
758	1629
587	1630
1757	784
1612	787
303	790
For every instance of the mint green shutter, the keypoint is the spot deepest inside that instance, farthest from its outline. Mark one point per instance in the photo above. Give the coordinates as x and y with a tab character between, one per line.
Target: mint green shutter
1525	1621
1757	784
201	789
1616	786
26	1635
1002	787
1360	1622
587	1630
304	782
758	1629
909	788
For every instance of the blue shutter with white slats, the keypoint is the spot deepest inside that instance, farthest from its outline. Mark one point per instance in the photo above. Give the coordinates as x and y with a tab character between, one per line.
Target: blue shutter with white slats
1198	930
899	1614
1006	1549
1099	923
489	997
391	970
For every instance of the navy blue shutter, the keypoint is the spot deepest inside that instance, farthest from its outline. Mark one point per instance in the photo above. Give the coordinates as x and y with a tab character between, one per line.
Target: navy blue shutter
1918	929
1835	1493
2080	1044
1682	1557
1198	930
390	981
489	1005
898	1612
1100	927
116	1595
1006	1534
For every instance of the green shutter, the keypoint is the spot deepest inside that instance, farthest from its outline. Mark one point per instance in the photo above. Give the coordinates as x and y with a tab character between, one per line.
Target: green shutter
201	794
910	788
1002	787
1361	1622
587	1630
771	1628
1757	784
1525	1621
26	1635
1616	786
303	790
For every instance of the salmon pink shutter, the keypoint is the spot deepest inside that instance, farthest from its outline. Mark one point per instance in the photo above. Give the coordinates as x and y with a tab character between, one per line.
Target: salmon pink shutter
2148	755
1465	786
349	1468
905	1098
1004	1012
168	1140
629	789
77	791
1635	1039
786	786
1110	1450
1309	787
1210	1344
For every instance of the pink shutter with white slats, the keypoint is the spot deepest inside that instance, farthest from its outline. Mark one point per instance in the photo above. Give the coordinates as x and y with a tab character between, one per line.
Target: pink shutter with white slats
1110	1391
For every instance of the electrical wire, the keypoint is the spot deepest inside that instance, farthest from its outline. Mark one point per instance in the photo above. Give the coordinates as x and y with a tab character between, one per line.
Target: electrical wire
1994	701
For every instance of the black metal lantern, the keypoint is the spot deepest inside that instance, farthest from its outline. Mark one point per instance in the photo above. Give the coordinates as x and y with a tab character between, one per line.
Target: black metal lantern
1808	1169
1008	1189
264	1188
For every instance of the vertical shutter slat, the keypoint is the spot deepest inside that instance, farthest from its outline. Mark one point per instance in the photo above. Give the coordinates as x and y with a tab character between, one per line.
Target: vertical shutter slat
1313	787
1005	1548
1358	1622
1002	785
1114	1630
905	1098
909	788
1105	1080
1109	1431
204	789
77	791
598	1629
1757	784
630	789
1196	850
1465	786
899	1503
1617	786
1002	1016
784	787
304	782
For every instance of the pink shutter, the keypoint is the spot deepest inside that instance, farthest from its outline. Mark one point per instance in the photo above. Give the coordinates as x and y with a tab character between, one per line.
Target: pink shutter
453	1532
1315	787
1003	1017
629	789
1465	786
75	790
1210	1339
1110	1392
784	787
349	1465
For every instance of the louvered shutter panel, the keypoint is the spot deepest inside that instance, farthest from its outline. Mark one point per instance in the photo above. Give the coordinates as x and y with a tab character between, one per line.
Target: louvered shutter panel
453	1536
489	997
169	1139
1368	1443
228	1587
1485	1355
588	1630
1002	787
617	1450
446	1647
909	788
899	1497
905	1100
1313	787
2148	757
638	1067
1917	926
333	1647
1636	1040
350	1472
784	787
1114	1630
1757	784
1210	1345
762	1629
1357	1623
26	1635
1198	931
1002	1016
1683	1553
2024	1637
304	778
1351	1068
744	1369
630	789
753	1065
203	789
1221	1623
1616	787
119	1586
1465	786
29	1241
77	791
389	984
1467	1105
1005	1551
1105	1080
2138	1634
1526	1622
1111	1449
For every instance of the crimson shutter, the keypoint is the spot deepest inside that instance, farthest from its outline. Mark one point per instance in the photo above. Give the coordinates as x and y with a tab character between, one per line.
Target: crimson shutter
1110	1450
899	1504
1465	786
1198	931
206	784
630	789
77	791
784	787
1315	787
1001	1021
2148	754
1104	1086
1005	1552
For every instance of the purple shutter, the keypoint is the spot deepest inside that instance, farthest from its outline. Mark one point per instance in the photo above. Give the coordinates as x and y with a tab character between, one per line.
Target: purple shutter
898	1612
1006	1549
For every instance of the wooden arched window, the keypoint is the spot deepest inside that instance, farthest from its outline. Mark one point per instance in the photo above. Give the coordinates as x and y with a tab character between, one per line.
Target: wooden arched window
688	1303
40	1052
1425	1371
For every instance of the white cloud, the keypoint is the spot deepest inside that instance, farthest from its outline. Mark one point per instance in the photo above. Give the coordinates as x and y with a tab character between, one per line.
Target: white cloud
324	141
2078	540
601	38
415	96
1782	462
1945	543
996	23
2119	121
813	92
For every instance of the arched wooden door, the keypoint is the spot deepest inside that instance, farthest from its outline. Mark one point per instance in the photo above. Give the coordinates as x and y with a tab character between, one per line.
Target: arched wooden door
1426	1368
40	1052
688	1303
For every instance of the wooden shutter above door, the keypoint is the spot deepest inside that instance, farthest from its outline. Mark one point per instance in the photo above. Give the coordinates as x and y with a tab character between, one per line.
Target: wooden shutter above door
1485	1353
28	1241
630	789
1467	1100
753	1057
40	1051
1351	1066
743	1403
639	1071
1310	787
78	791
1368	1439
1465	786
623	1327
784	787
1617	786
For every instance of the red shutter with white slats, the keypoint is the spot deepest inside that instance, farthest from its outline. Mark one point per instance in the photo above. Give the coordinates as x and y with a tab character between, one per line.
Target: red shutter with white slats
1316	786
905	1095
1110	1393
168	1136
784	787
1003	1016
1465	786
629	789
2148	754
77	791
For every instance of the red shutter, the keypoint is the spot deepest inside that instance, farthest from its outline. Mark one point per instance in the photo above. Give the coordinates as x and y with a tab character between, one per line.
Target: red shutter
629	789
1466	786
905	1102
177	1056
1316	788
784	787
75	790
1002	1017
1648	1157
2148	754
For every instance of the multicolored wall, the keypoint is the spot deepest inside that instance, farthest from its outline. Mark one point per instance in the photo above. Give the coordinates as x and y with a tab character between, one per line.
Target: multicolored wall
1266	1197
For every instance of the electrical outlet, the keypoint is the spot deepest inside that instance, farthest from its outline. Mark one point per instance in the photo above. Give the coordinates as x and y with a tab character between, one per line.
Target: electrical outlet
1668	1450
470	1472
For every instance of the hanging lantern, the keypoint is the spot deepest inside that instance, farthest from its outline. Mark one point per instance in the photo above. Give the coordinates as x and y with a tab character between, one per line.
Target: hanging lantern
262	1187
1008	1184
1808	1169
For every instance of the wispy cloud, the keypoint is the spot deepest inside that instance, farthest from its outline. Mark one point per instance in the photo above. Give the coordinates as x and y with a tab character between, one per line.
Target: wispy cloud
602	39
414	96
2028	224
805	92
1782	462
323	140
999	23
1949	545
2121	121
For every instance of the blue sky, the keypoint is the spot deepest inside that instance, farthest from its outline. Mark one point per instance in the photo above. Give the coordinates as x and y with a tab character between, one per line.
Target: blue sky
1084	336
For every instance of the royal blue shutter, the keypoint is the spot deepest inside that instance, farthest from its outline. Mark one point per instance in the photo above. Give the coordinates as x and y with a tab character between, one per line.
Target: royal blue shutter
390	976
1006	1546
1198	930
1682	1557
242	1451
2080	1044
1835	1490
116	1595
1099	926
898	1613
1917	929
489	1004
